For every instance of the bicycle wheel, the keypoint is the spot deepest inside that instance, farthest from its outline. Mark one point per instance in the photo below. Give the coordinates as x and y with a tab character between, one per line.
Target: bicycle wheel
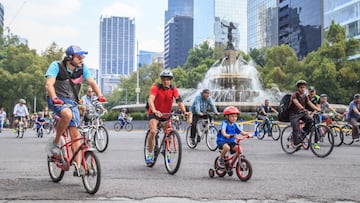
260	131
275	131
347	134
211	136
173	152
156	148
129	127
41	133
117	126
92	177
101	139
56	173
338	136
22	131
244	169
220	172
321	141
287	143
191	143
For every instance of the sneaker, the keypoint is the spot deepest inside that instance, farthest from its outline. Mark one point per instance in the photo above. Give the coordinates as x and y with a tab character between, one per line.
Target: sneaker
221	162
78	172
356	140
198	139
192	140
55	149
149	157
316	146
14	130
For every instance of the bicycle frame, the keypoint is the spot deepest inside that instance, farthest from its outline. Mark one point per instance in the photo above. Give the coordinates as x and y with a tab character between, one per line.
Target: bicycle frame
231	160
168	127
207	122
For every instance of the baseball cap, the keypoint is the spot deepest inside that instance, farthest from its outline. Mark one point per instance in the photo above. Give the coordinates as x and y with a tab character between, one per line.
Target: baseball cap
75	49
311	88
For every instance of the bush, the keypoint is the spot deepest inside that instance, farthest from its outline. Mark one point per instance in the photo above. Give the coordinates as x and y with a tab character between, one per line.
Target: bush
138	116
110	116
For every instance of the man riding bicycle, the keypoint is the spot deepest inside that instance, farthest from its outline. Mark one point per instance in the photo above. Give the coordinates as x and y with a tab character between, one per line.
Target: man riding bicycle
160	101
353	116
199	108
20	111
63	83
297	112
88	100
263	111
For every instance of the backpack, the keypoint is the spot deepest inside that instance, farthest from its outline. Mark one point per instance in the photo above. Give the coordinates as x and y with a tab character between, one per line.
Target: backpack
284	108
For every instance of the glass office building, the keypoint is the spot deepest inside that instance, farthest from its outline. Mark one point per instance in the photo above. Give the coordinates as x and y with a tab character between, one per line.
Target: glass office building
301	25
234	11
262	27
117	51
1	16
179	8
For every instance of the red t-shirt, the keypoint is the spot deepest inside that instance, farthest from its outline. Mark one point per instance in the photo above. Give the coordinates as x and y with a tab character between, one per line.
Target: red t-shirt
164	98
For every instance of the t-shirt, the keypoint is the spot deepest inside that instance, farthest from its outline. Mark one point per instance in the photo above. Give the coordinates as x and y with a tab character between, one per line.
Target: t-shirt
324	106
231	129
351	113
267	109
164	98
293	109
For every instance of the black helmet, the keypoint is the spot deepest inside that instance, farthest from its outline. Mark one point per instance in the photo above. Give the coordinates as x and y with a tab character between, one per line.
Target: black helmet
166	73
323	95
300	82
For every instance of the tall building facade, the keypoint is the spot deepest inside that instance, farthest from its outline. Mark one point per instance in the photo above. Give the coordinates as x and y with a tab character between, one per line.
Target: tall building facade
301	25
204	15
262	28
1	16
179	8
344	12
235	11
117	51
178	41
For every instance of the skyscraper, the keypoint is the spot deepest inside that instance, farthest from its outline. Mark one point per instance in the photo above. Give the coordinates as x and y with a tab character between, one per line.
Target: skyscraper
300	25
1	16
262	25
117	50
234	11
179	8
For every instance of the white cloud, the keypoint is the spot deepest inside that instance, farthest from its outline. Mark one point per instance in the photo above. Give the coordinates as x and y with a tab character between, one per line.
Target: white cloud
151	45
120	9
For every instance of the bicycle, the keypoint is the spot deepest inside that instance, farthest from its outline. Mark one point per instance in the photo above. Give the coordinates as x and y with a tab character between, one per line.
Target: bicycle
40	131
204	129
318	134
89	161
49	125
235	160
270	127
95	130
347	134
336	129
176	123
127	124
167	143
21	127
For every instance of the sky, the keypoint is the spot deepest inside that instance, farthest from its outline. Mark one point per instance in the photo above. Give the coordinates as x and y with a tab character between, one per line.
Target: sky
68	22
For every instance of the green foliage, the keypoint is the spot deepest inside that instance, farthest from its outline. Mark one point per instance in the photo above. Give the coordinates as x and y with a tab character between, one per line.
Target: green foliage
139	115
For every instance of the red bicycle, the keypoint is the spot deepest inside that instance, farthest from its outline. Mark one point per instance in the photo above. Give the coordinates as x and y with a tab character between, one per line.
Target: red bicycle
89	161
236	160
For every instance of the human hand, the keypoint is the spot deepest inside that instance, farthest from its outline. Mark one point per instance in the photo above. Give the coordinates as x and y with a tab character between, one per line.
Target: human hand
157	113
200	114
57	101
102	99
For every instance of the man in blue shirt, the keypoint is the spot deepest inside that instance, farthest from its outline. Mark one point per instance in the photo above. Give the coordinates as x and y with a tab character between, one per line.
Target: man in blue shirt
354	116
199	109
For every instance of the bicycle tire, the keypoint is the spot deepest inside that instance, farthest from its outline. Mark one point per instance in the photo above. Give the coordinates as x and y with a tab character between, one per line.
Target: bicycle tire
338	136
287	143
173	152
347	134
221	172
56	173
275	131
260	131
325	141
189	142
22	131
129	127
117	126
93	172
101	139
244	169
156	148
211	136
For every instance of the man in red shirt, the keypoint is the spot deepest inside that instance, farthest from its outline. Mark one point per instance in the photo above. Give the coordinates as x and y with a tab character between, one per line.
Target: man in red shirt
160	101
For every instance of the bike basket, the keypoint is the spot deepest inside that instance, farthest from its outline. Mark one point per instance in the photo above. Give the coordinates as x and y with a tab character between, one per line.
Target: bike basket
129	119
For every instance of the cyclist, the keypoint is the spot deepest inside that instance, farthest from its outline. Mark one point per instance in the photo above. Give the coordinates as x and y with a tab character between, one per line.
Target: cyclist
227	131
63	83
88	99
324	105
264	109
40	118
20	110
297	112
313	97
353	116
160	101
122	117
199	108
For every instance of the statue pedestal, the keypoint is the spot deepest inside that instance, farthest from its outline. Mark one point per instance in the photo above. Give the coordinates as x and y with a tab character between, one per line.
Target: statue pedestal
230	56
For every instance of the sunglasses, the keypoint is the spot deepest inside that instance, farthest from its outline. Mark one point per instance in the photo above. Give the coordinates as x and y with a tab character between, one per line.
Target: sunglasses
79	56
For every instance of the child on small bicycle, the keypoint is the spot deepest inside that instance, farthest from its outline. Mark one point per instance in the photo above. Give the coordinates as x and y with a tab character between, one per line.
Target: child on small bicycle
227	132
39	120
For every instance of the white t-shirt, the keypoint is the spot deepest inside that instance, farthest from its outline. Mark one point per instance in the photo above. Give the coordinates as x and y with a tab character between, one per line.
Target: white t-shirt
21	110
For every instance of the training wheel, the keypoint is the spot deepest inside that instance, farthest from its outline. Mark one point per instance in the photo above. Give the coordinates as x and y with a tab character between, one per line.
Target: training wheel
211	173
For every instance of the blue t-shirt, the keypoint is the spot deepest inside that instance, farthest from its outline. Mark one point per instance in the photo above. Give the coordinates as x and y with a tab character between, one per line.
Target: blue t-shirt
53	70
231	129
351	113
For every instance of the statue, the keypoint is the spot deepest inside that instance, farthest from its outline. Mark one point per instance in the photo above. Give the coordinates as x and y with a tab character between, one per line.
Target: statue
230	27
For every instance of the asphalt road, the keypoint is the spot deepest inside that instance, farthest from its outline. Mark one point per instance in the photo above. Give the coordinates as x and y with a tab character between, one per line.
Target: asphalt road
277	177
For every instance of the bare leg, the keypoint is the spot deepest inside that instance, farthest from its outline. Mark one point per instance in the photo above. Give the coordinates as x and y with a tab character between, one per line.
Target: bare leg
74	134
153	130
66	115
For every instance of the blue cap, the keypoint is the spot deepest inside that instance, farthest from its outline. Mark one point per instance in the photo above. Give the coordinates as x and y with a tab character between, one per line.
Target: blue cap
74	49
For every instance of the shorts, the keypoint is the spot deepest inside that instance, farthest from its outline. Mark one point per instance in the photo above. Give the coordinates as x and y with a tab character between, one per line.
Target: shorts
58	109
231	144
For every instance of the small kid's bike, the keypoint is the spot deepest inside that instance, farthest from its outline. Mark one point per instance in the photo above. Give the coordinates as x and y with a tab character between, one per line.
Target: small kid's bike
269	127
167	143
236	160
89	161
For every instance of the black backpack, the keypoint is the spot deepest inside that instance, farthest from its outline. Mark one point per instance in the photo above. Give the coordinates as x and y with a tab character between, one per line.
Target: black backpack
284	108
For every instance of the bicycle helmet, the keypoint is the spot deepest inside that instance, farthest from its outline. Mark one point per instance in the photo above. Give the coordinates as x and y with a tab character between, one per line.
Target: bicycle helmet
22	101
74	49
166	73
231	110
323	95
301	82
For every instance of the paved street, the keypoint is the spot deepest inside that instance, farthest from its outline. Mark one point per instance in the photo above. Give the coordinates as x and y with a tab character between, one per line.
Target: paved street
277	177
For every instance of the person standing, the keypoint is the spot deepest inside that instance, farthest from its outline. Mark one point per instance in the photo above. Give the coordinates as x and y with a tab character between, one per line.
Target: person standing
2	118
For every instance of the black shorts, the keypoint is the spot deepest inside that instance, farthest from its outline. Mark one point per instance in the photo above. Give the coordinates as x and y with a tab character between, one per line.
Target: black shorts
153	116
231	144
